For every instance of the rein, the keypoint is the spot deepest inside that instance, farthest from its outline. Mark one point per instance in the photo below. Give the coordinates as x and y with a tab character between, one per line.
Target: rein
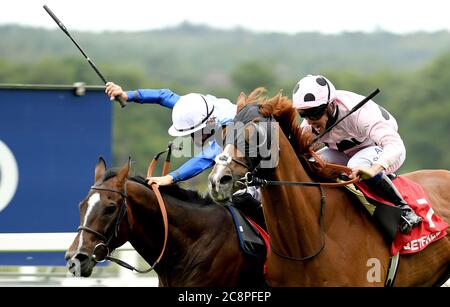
251	180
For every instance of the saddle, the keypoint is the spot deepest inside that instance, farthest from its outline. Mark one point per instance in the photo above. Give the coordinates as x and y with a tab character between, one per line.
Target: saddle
250	235
387	216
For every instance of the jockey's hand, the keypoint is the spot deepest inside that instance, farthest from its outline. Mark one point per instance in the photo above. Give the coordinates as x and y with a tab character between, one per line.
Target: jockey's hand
114	91
366	172
164	180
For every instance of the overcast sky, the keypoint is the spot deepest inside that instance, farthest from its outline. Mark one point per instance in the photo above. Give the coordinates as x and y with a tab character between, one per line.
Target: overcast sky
289	16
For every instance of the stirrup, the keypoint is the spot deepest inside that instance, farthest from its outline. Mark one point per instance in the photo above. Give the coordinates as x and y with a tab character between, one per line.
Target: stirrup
407	226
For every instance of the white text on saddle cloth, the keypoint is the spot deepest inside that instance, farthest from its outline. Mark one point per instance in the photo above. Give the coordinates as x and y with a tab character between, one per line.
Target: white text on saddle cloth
430	230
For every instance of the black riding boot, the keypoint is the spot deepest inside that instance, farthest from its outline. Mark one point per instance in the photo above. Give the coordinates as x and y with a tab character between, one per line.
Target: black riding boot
382	185
251	208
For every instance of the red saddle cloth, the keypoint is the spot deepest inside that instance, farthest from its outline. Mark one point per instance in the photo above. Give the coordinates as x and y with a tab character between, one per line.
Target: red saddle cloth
431	229
265	237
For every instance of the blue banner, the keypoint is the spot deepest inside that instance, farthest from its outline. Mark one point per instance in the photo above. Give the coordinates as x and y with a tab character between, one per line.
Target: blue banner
50	141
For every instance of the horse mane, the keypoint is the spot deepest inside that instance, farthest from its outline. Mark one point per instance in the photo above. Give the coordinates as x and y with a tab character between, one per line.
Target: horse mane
178	192
172	190
281	108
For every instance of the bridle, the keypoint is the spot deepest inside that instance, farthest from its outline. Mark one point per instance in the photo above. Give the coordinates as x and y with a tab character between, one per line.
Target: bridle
105	245
103	248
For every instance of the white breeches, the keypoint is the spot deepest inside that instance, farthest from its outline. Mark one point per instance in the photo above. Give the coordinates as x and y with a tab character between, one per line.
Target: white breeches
365	157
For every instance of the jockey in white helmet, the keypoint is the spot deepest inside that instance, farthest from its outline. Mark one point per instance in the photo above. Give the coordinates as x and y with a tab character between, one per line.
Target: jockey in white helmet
199	116
367	141
192	114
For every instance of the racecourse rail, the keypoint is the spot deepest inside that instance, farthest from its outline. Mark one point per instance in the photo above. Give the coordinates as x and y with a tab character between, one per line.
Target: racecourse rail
42	242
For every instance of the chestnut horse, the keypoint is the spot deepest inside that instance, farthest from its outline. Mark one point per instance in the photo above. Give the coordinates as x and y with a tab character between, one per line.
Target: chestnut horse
202	245
320	236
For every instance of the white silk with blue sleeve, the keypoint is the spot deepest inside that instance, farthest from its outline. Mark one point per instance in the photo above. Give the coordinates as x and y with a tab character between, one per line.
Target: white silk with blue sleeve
224	113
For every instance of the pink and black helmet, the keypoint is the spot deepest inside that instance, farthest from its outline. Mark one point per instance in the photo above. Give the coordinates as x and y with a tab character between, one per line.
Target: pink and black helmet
313	91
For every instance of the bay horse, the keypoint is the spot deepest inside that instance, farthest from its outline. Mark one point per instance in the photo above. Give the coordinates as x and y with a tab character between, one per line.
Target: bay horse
323	239
202	245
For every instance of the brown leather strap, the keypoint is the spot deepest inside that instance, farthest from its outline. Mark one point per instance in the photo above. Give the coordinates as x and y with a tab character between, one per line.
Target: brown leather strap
166	167
162	207
151	168
340	168
324	164
339	184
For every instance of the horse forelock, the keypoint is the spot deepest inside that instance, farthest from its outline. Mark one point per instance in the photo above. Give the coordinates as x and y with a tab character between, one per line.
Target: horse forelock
109	173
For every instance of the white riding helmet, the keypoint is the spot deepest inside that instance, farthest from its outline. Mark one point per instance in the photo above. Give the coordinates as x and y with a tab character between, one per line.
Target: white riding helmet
313	91
190	114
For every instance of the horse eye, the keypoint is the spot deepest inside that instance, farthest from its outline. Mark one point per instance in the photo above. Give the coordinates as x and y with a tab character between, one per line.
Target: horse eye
110	209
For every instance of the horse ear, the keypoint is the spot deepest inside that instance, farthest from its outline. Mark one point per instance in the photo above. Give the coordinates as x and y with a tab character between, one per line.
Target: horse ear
122	175
100	169
241	101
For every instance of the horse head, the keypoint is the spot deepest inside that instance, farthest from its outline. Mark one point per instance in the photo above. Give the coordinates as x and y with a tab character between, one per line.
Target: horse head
103	220
251	146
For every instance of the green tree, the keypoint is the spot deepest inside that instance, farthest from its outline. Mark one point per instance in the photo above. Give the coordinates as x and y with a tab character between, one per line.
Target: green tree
250	75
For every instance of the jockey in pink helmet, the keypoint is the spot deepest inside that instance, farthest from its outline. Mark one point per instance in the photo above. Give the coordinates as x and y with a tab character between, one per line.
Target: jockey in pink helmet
367	141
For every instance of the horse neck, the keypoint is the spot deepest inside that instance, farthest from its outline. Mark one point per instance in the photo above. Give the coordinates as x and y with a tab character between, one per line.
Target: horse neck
291	211
188	227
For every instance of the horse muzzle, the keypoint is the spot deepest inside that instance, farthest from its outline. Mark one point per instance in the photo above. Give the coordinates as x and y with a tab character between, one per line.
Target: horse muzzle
80	265
220	184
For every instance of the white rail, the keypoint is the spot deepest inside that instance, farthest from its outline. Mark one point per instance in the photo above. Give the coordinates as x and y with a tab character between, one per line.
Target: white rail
41	242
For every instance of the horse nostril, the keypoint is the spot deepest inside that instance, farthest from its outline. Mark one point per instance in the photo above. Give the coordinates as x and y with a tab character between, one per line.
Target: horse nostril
71	265
226	179
81	257
74	265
